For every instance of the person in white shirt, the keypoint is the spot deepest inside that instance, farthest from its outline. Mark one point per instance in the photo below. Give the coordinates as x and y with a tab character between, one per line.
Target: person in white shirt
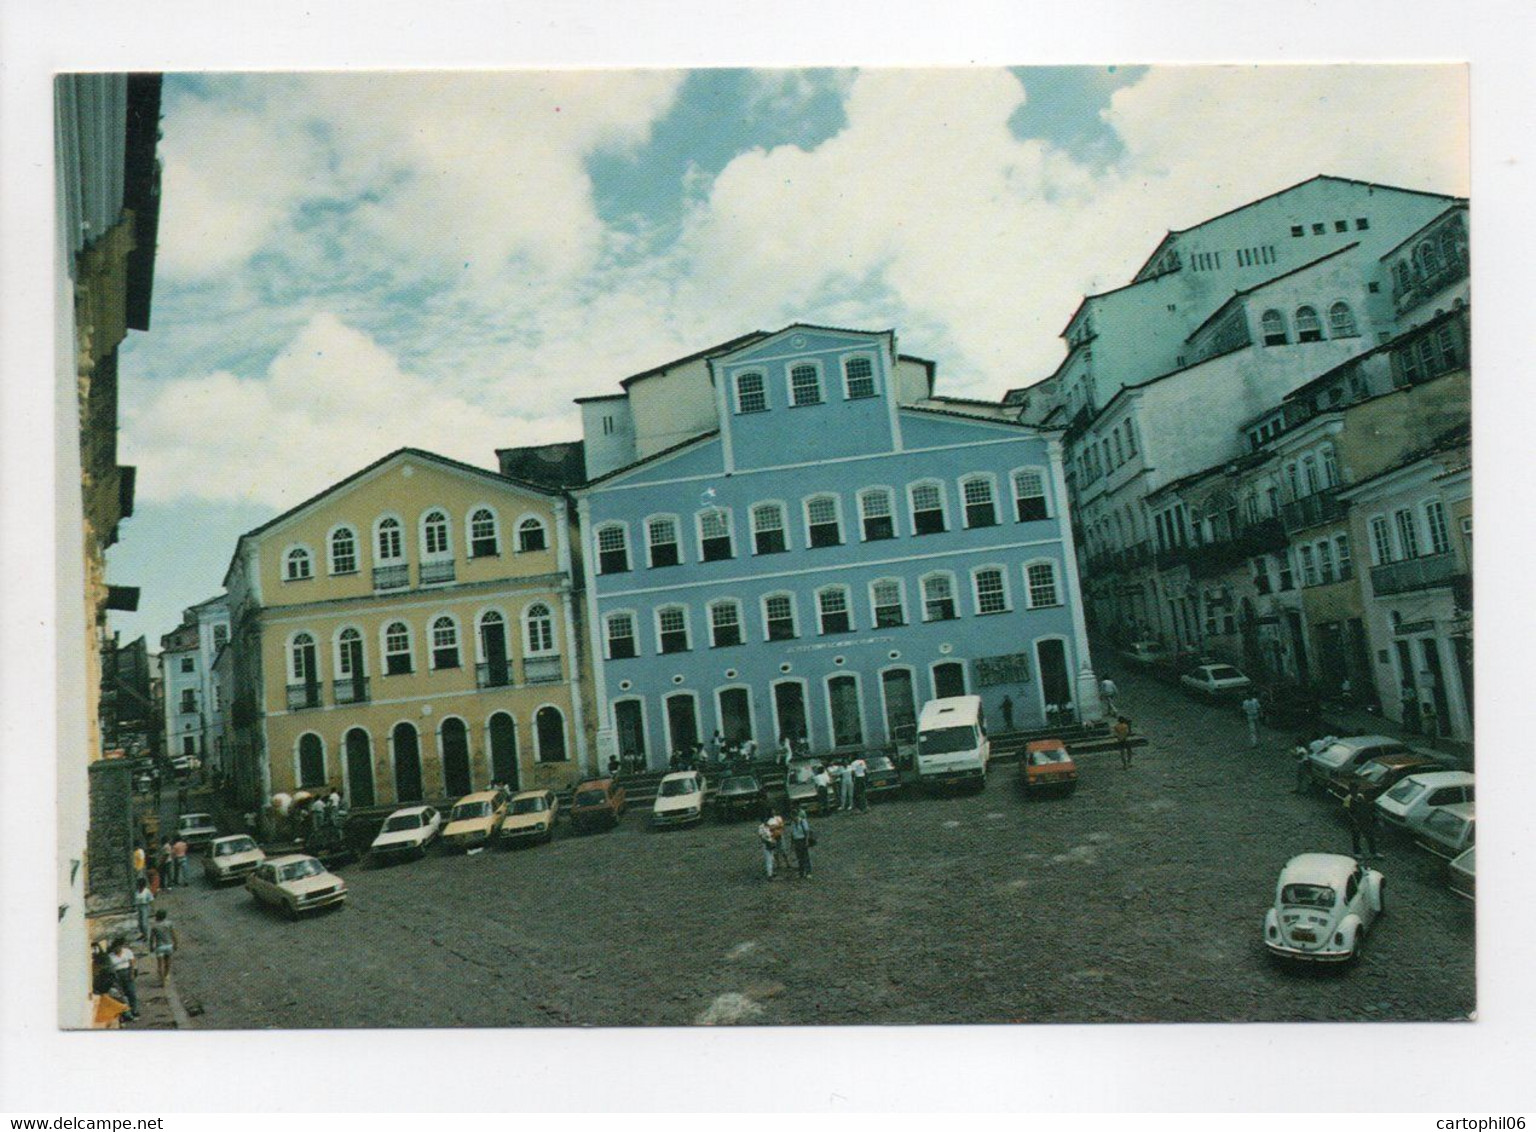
860	771
1107	692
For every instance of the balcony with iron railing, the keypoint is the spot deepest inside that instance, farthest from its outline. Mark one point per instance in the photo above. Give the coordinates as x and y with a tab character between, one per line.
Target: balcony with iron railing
1410	574
489	675
1207	559
1320	507
436	573
302	696
396	576
350	689
1424	286
542	670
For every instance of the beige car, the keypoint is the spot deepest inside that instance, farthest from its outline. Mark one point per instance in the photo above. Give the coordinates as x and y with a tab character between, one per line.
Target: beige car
475	819
531	817
232	858
296	884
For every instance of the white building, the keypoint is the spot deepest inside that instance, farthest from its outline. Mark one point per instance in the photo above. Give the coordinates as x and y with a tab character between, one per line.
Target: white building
194	716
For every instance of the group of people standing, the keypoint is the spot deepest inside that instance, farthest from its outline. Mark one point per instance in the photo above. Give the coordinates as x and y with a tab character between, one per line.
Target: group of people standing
774	832
117	965
843	787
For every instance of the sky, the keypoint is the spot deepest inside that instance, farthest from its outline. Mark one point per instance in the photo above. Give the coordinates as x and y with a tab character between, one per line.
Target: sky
351	263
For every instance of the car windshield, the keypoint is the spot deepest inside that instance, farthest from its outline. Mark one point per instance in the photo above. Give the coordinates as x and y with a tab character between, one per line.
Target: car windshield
300	869
591	798
1043	758
1336	755
471	810
1406	792
739	785
945	740
1225	672
533	805
676	787
1373	772
196	821
1308	895
229	848
398	822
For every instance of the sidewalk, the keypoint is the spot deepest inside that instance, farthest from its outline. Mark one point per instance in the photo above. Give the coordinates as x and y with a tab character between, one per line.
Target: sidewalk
160	1007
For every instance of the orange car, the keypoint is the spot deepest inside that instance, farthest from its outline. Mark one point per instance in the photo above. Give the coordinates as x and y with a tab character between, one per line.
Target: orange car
1048	766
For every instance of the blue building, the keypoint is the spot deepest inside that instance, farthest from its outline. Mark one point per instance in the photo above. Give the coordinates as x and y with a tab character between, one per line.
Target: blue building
790	534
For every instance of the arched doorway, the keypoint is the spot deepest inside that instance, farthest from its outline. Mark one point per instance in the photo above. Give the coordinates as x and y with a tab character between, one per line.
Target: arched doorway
948	679
846	712
504	750
682	722
359	768
407	763
311	760
549	728
629	723
454	743
900	705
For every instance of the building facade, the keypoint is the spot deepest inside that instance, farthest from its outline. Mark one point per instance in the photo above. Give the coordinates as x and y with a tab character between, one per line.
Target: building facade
823	545
194	697
408	634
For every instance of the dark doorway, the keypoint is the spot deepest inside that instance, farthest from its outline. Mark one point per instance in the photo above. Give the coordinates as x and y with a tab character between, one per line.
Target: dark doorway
682	723
1410	687
457	779
1055	679
407	764
900	705
948	679
629	721
549	729
1298	646
359	768
789	711
1431	651
735	715
311	761
847	725
504	750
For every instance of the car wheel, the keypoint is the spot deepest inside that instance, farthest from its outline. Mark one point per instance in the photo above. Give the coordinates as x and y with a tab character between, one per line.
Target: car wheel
291	911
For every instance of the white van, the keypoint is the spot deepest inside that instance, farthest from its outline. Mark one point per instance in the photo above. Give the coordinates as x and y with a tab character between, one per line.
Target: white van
952	743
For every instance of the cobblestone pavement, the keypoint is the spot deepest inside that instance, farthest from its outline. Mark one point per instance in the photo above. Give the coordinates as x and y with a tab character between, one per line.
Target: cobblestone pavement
1138	899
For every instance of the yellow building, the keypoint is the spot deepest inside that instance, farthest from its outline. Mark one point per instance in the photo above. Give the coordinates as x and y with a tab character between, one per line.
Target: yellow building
405	635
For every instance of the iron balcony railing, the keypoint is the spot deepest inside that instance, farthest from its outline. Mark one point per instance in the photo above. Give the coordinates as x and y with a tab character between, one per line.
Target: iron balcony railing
1414	573
395	577
350	689
1423	286
542	670
493	676
301	696
433	573
1319	507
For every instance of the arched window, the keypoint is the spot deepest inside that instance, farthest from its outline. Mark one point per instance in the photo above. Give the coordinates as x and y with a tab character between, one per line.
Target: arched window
980	505
1308	328
1341	321
621	636
661	541
612	549
531	535
495	667
445	643
301	654
672	629
1029	495
343	551
724	623
823	526
1040	579
298	565
549	735
779	617
751	393
1273	327
858	378
389	544
990	589
397	649
351	671
804	385
715	543
768	529
484	540
939	598
832	607
434	535
927	509
876	514
1427	258
886	602
538	629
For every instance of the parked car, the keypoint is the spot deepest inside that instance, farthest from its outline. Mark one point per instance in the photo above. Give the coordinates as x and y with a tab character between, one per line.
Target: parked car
800	785
883	777
1447	831
1408	803
1462	872
1324	905
196	829
407	832
679	799
739	795
1215	681
597	802
1144	652
296	884
1375	777
231	858
1342	756
531	817
952	743
1048	767
475	818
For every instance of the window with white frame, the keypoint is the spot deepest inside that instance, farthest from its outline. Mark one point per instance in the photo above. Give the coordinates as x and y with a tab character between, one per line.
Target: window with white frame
1330	467
484	541
1029	495
1308	567
661	539
1325	562
1272	325
1381	541
804	385
298	565
980	505
927	509
939	598
621	636
832	607
1308	328
672	628
991	590
1439	533
768	529
538	629
876	514
821	521
397	649
751	393
1341	321
1341	552
612	549
858	378
389	543
434	535
724	624
343	551
349	653
1040	579
885	597
302	658
531	535
1407	533
779	617
715	543
445	643
220	635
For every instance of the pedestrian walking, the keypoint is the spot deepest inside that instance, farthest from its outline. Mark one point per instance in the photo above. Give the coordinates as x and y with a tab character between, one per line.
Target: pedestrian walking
124	972
1122	733
1107	692
860	771
1251	709
1303	768
768	835
1007	706
823	788
845	788
1362	822
143	899
162	945
179	863
165	860
801	839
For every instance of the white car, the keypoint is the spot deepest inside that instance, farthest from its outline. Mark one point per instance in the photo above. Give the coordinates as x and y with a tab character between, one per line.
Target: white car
230	858
1343	756
296	884
1408	803
407	832
1215	681
196	829
1324	905
1463	874
1448	831
679	799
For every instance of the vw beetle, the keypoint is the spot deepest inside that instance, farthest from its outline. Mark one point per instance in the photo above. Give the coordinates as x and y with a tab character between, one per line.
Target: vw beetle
1324	905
